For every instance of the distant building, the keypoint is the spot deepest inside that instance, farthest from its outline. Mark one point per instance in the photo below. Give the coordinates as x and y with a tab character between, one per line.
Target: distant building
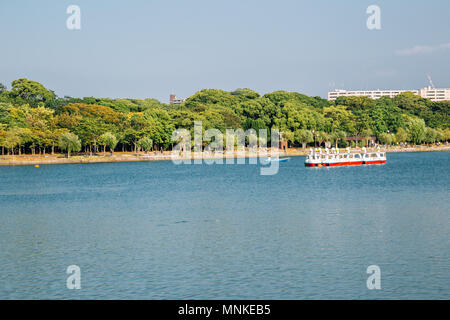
435	94
427	92
175	100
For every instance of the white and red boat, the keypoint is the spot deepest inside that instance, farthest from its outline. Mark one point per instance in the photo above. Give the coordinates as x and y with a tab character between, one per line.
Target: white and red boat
317	158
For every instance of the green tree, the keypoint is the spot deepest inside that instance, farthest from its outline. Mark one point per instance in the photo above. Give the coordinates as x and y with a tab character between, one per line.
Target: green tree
38	121
340	119
245	93
31	91
137	126
366	134
11	140
444	134
146	143
339	136
2	137
304	137
108	140
322	137
416	130
288	136
386	138
401	135
430	135
70	142
439	135
90	121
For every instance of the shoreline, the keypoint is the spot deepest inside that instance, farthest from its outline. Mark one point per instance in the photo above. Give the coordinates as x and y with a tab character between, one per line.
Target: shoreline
27	160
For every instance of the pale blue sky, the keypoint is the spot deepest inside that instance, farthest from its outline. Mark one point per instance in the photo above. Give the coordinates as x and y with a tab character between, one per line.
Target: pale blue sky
139	49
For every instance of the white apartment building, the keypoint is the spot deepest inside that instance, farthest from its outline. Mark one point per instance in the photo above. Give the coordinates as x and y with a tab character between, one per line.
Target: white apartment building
435	94
427	92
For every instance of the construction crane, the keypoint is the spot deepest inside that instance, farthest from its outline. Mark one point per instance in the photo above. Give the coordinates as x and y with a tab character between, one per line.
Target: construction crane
431	81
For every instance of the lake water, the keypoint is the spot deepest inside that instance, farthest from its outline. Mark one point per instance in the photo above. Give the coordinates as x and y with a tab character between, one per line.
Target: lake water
155	230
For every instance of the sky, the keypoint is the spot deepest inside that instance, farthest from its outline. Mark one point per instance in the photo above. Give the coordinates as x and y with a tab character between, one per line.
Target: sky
150	49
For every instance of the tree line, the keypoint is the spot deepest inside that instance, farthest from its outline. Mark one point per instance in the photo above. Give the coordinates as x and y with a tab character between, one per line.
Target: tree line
34	120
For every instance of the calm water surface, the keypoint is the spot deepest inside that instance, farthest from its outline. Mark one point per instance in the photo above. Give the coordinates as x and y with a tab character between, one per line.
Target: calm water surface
154	230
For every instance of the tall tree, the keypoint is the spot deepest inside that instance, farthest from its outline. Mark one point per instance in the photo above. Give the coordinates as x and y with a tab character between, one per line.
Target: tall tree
401	135
70	142
304	137
416	130
108	140
11	140
339	136
146	143
31	91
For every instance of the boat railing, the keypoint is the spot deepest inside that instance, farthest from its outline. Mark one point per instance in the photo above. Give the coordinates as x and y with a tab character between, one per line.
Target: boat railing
333	154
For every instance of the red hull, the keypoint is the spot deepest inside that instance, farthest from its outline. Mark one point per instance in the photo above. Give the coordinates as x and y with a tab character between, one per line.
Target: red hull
375	162
338	164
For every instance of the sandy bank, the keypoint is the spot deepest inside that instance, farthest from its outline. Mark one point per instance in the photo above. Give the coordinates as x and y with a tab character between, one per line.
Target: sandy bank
133	157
